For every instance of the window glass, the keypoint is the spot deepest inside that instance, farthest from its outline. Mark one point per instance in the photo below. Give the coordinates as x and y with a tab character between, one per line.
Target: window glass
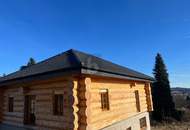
137	98
11	104
104	99
143	123
58	104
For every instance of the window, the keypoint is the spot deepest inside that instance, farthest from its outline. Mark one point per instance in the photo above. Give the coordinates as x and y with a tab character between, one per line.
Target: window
129	128
143	124
137	101
11	104
104	99
58	104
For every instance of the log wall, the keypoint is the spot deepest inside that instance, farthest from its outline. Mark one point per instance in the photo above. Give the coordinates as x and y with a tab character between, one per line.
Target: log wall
44	105
84	96
121	98
15	117
1	104
82	103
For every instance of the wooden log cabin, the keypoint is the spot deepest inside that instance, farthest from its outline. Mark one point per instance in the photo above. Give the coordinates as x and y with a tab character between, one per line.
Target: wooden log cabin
76	91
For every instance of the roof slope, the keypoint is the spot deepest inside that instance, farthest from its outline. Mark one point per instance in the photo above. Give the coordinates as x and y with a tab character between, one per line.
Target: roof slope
73	59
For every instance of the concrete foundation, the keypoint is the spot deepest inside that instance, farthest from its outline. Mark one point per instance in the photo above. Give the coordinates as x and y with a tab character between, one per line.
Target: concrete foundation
132	122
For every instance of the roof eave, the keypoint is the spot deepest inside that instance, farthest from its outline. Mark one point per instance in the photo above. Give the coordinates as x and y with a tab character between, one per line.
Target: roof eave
43	76
109	74
71	71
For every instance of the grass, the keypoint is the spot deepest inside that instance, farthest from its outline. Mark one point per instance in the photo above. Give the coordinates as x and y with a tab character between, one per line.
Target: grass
174	125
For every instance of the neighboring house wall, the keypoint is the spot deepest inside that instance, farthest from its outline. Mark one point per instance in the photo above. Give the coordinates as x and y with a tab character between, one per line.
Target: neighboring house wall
121	100
45	119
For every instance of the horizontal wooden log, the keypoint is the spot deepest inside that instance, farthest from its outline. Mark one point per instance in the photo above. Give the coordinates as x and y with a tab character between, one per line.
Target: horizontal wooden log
121	99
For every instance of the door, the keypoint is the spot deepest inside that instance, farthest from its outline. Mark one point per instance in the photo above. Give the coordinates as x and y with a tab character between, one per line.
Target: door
29	112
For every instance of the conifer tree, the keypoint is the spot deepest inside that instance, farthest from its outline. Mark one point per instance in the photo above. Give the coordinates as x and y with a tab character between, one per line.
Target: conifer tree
162	98
30	63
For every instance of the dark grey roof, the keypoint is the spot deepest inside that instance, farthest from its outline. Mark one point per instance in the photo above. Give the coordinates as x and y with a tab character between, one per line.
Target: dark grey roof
73	59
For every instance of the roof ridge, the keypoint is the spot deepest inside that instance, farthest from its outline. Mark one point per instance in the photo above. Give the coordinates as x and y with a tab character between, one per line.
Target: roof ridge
108	61
105	61
73	52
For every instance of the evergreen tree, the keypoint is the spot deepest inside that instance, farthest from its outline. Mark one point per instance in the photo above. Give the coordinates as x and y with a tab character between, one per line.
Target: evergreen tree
162	98
187	98
30	63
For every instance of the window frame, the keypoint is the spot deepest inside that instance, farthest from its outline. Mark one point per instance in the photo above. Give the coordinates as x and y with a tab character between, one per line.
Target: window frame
137	99
58	104
10	104
105	103
143	123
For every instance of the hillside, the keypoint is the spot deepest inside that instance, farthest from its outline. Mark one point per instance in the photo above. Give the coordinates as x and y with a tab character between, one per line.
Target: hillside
180	90
181	103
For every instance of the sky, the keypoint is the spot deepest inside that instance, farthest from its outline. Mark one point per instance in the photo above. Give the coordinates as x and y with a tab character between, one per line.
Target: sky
126	32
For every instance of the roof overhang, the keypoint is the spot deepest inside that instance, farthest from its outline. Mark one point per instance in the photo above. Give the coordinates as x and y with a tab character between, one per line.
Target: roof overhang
113	75
41	77
66	72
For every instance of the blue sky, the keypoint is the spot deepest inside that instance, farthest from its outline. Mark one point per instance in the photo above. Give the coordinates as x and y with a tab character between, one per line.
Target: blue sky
127	32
